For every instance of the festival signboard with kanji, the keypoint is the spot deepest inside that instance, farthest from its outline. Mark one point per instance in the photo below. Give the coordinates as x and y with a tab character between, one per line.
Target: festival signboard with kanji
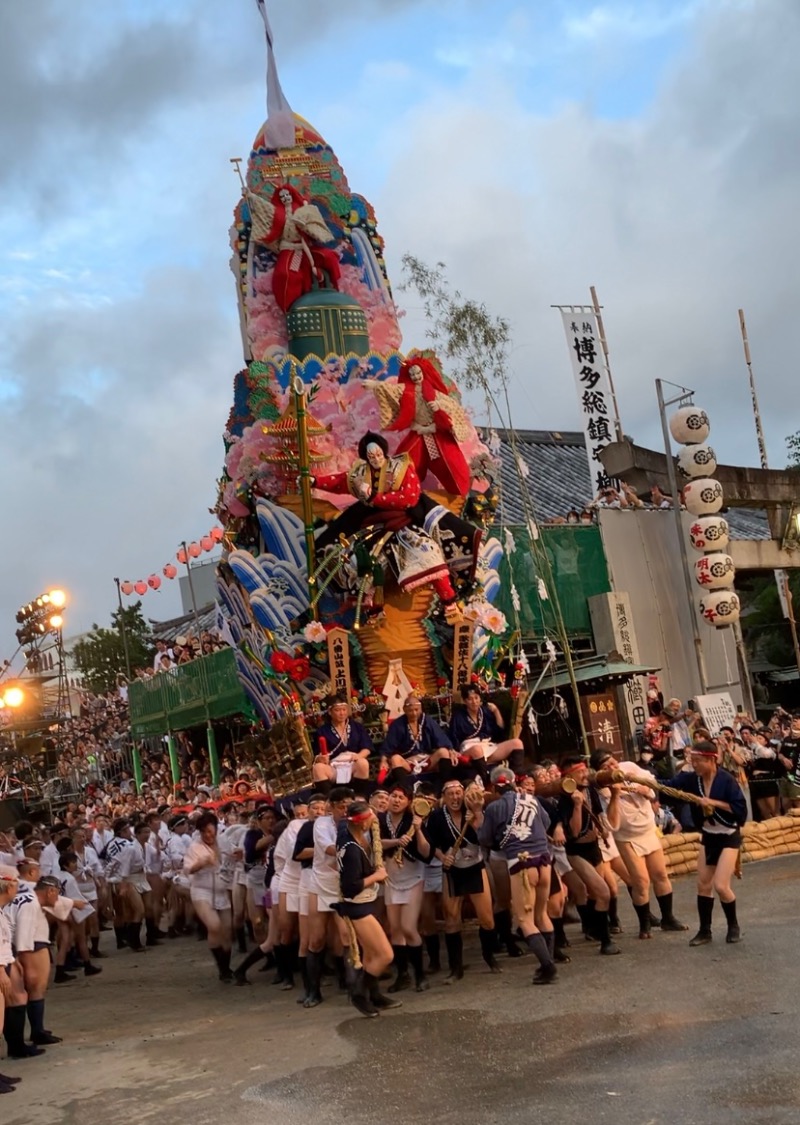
601	719
593	386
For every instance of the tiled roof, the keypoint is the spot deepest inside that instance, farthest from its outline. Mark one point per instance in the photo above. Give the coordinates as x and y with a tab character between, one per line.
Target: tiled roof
558	479
169	630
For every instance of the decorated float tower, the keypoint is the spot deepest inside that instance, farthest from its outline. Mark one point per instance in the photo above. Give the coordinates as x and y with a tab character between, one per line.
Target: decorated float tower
355	496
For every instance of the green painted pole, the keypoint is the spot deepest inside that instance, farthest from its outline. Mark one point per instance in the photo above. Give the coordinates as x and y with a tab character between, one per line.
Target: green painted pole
174	765
213	756
136	758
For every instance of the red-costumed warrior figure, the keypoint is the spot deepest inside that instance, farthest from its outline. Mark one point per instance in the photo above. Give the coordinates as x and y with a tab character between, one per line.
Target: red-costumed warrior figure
293	228
420	403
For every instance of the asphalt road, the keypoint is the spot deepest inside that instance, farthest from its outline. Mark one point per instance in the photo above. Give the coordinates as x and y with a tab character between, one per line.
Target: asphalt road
662	1035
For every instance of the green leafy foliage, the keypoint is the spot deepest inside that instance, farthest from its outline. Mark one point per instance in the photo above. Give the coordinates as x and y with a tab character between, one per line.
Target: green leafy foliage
100	657
793	445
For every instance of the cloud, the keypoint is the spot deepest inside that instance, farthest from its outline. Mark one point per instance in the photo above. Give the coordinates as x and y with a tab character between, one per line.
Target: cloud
629	21
679	217
121	339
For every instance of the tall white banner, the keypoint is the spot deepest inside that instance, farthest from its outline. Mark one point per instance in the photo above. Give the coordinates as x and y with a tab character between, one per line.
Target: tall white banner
594	387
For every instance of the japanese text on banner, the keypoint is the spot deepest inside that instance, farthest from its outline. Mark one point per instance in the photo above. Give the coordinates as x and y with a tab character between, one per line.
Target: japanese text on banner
594	388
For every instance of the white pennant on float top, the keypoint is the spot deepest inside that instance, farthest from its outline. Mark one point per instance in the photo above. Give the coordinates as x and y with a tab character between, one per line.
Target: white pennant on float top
279	129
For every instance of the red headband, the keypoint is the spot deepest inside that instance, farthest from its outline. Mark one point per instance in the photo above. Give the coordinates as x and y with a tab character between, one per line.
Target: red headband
704	753
577	766
359	818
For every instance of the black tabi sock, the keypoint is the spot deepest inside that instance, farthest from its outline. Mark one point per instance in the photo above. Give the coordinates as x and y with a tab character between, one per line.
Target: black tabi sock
705	910
35	1010
252	958
560	935
538	947
730	912
401	959
488	942
643	914
516	761
415	958
613	916
586	915
602	927
455	952
314	973
341	968
433	946
302	963
14	1028
550	941
665	906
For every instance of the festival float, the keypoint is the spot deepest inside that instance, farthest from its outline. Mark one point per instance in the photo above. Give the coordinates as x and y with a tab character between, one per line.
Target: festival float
357	495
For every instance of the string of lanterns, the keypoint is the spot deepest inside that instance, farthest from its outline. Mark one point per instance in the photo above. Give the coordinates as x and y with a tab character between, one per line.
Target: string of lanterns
170	571
709	532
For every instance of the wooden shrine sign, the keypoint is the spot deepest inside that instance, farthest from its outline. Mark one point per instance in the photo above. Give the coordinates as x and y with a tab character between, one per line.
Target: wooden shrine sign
339	661
462	654
602	723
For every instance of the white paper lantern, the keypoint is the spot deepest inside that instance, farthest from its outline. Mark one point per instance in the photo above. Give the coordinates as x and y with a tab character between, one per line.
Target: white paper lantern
697	461
715	571
703	497
709	533
689	425
720	608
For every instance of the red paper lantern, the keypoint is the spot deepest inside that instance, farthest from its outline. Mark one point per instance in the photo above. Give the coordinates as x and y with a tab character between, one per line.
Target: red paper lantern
194	550
207	543
170	571
181	556
127	588
140	587
217	534
153	581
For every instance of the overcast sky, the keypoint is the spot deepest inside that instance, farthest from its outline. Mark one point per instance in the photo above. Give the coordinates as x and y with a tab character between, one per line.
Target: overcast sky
648	147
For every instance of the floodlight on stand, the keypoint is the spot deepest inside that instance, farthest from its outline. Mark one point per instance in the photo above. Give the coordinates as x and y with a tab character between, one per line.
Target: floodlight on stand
56	621
13	697
57	598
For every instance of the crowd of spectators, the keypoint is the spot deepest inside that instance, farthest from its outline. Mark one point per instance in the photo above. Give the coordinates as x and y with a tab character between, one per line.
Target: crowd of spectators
612	497
183	650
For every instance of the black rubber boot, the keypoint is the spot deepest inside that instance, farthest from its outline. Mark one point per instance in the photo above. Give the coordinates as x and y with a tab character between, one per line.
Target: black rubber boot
434	947
502	924
734	935
669	923
454	944
402	980
705	910
314	979
488	943
252	958
421	982
359	994
379	1001
603	933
